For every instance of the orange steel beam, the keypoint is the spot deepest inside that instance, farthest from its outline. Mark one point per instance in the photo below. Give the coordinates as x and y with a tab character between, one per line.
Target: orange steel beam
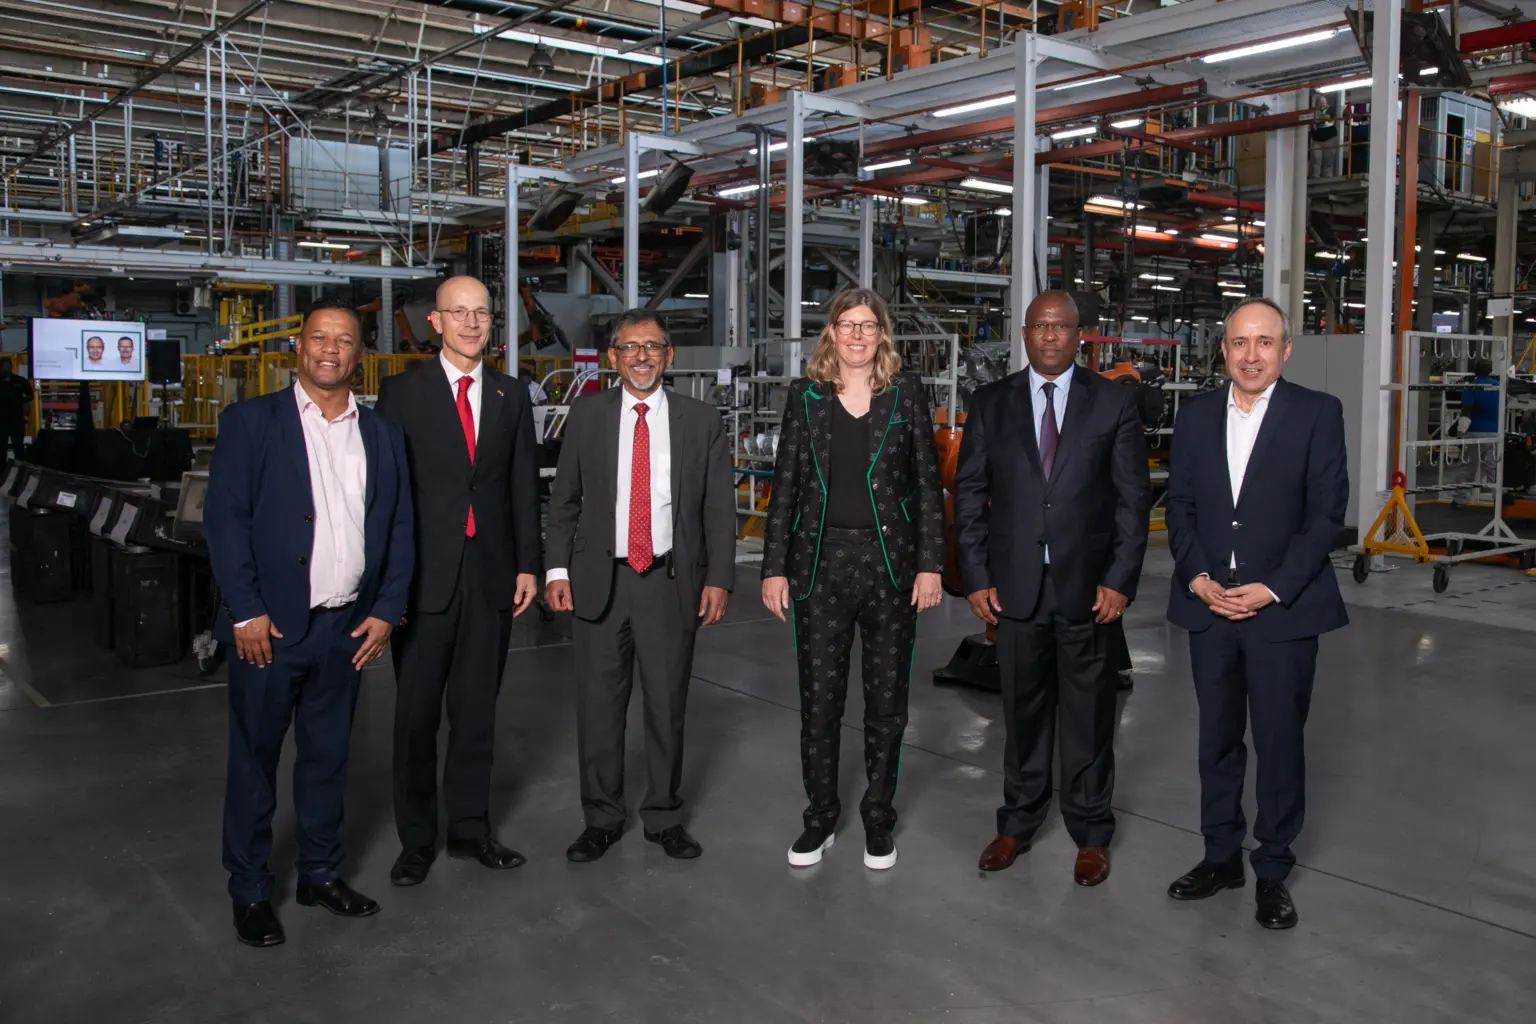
1141	136
1205	199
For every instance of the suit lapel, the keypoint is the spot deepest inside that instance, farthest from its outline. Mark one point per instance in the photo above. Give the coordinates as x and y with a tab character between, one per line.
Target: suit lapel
440	405
294	445
1021	402
615	407
882	410
677	442
367	428
492	411
818	415
1074	419
1273	425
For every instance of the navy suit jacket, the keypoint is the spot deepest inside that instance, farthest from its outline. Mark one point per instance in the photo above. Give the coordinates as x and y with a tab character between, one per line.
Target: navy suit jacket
1287	518
259	518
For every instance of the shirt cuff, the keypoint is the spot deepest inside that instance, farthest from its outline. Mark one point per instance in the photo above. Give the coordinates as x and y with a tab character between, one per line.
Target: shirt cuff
1274	596
242	625
556	575
1202	576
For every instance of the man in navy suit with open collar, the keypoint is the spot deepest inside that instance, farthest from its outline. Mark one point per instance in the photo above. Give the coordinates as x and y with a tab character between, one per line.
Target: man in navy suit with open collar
1256	496
308	520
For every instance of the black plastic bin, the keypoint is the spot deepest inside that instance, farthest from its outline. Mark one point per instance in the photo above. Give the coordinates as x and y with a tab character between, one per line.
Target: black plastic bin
146	607
41	550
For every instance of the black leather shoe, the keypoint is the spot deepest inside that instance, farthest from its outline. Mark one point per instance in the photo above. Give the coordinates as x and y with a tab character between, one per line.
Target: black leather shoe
338	897
677	843
592	844
256	925
412	865
487	851
1276	911
1205	880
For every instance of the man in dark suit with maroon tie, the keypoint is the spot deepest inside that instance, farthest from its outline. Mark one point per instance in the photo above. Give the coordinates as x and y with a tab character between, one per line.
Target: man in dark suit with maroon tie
474	477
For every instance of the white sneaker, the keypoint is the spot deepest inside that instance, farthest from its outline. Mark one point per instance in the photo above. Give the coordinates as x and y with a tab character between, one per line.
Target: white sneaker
879	851
813	842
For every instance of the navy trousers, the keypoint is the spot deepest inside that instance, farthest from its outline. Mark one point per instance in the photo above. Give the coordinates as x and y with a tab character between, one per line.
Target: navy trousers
313	685
1241	679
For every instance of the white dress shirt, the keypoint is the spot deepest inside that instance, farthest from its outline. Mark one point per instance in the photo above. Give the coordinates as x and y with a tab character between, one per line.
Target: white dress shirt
1058	402
661	477
1242	432
338	481
478	376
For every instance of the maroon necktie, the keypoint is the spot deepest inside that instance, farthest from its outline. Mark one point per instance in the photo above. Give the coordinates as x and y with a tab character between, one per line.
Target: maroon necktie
1049	433
467	421
640	552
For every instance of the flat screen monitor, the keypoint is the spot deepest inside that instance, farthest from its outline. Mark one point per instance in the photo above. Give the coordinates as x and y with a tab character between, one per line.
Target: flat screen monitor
99	350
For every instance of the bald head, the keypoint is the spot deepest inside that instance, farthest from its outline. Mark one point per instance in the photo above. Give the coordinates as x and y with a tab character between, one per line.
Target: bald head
463	291
1061	305
463	318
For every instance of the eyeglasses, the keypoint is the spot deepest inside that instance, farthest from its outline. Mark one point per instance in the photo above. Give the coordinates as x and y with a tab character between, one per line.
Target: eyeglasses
1039	329
650	348
460	314
864	327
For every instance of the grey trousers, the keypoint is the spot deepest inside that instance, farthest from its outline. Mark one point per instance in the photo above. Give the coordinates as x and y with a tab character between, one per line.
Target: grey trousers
644	626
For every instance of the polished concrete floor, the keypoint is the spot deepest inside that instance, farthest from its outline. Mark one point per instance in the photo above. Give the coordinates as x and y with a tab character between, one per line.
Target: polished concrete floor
1417	884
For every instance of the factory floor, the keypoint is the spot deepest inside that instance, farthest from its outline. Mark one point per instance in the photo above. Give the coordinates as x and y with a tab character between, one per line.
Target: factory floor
1416	884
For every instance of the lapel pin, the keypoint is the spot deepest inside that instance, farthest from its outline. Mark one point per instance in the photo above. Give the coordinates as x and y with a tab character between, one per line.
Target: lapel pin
502	393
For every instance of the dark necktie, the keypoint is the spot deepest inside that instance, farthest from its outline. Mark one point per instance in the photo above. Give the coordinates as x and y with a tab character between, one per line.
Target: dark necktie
1049	433
640	544
467	421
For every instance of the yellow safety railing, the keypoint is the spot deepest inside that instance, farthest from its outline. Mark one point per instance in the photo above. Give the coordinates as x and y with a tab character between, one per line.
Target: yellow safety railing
277	329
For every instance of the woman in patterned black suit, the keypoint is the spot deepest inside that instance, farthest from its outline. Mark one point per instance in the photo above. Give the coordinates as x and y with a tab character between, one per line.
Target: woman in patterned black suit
855	536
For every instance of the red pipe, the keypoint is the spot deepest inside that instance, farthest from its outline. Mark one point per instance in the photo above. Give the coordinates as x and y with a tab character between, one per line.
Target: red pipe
1512	83
1498	38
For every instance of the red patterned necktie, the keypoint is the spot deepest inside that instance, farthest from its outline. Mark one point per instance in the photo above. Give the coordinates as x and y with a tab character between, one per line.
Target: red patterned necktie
467	421
640	553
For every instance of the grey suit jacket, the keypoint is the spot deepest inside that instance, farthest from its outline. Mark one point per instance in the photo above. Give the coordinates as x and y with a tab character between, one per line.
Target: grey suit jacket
579	534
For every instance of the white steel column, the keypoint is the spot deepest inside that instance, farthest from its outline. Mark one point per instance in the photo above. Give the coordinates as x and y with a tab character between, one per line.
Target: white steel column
794	221
1381	228
1025	208
1279	202
866	242
1300	198
509	268
631	220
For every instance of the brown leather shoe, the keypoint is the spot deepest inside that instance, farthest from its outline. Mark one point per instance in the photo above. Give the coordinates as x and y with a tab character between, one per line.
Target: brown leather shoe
1092	865
1001	852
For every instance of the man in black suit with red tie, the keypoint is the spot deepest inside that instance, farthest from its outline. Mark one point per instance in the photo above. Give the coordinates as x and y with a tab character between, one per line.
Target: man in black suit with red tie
474	478
1256	497
1051	498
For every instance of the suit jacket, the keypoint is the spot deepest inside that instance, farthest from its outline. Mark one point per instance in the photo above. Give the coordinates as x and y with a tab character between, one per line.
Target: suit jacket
1092	512
1287	518
503	482
902	477
259	518
580	531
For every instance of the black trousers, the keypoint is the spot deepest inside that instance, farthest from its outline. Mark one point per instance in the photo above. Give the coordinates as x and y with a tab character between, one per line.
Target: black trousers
1053	667
645	625
853	588
1240	678
15	435
461	652
313	685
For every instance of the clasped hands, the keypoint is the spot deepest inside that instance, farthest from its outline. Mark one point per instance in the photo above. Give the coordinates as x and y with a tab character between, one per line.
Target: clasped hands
1234	603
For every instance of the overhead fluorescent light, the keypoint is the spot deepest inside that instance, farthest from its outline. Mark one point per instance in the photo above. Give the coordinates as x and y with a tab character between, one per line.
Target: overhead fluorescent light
1135	122
572	45
1219	238
1170	231
1258	223
1140	319
1004	211
1086	81
1358	83
1324	255
1157	277
773	147
809	302
639	177
694	295
970	108
1235	295
1426	72
916	200
1165	288
887	165
324	245
987	186
1353	305
1471	258
1075	133
1271	46
1229	219
739	190
1119	204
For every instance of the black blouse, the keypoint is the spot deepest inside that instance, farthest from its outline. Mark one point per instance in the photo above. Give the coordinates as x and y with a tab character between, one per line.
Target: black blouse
848	503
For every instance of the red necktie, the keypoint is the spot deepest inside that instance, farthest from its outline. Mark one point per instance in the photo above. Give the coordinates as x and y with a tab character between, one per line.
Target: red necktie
640	553
467	421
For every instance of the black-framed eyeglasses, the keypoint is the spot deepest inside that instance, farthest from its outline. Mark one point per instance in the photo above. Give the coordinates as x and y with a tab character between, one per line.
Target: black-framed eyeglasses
650	348
461	315
868	328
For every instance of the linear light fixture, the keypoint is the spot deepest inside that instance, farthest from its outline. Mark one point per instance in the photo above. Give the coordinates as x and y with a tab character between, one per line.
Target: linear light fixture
1075	133
1157	277
1135	122
1119	204
1353	305
1324	255
773	147
1471	258
1271	46
694	295
971	108
1086	81
739	190
1235	295
1358	83
1140	319
1229	219
1170	231
639	177
916	200
323	245
987	186
572	45
1426	72
1219	238
887	165
1165	288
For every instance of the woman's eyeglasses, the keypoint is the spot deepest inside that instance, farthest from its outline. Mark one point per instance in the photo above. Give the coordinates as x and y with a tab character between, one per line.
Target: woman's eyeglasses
867	328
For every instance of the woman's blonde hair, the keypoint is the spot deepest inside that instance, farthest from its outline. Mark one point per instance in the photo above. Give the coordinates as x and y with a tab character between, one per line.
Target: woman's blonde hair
824	366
